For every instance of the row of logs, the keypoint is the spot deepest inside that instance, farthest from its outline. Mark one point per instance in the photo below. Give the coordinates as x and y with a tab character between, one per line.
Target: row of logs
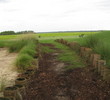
92	59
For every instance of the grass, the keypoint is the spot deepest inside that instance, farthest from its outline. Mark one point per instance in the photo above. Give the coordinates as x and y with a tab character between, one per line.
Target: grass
61	34
20	43
7	37
66	35
67	55
46	49
25	46
100	43
27	50
24	61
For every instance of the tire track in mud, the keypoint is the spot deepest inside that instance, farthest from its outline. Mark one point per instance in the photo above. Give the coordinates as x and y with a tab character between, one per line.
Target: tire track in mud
52	82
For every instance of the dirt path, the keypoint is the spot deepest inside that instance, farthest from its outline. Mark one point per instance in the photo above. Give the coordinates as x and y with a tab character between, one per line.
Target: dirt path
53	82
8	71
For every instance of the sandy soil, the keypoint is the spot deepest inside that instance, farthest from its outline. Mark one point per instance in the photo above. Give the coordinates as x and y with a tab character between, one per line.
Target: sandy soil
8	72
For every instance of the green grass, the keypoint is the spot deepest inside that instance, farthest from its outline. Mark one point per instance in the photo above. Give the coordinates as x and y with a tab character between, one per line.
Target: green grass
46	49
7	37
64	34
27	52
29	49
67	55
100	43
25	46
24	61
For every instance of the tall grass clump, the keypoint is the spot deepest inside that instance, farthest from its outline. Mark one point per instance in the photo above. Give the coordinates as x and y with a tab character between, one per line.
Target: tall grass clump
100	43
27	51
22	41
2	44
24	61
91	41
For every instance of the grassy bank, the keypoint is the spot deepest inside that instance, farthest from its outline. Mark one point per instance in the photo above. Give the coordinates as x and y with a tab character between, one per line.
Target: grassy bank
25	46
100	43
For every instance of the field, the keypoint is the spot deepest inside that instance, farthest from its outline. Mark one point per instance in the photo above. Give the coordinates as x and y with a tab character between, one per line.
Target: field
49	35
57	67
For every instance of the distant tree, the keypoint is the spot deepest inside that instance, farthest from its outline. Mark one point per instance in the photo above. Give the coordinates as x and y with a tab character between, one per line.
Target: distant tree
7	33
25	32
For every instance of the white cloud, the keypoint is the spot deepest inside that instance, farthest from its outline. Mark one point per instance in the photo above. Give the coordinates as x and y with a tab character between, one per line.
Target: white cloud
54	15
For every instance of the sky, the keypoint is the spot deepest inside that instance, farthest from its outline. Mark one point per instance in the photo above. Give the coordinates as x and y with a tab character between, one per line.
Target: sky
54	15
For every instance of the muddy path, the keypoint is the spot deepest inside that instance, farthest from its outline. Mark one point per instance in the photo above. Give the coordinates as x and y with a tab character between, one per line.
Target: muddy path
53	82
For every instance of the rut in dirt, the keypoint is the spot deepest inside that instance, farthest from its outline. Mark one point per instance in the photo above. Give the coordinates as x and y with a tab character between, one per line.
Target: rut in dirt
53	82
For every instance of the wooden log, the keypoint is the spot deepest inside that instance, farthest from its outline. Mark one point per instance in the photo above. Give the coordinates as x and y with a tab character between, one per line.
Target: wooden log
87	52
82	49
96	57
75	46
10	92
106	74
101	64
21	81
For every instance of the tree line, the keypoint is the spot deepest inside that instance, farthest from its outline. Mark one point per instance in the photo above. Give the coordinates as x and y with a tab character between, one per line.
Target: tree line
15	33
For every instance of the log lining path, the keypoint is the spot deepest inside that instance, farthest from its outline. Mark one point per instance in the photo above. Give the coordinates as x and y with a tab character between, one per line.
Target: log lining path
53	82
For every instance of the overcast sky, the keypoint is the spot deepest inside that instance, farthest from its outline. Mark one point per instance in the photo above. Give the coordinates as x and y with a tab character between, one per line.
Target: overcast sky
54	15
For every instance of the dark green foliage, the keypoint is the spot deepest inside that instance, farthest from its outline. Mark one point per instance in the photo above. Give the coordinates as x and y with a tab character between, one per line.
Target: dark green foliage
7	33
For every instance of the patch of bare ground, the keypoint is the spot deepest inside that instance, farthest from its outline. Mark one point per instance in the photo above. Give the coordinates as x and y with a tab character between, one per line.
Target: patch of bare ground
52	82
8	72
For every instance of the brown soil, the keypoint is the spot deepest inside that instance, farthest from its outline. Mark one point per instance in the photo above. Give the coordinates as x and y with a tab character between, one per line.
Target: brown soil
52	82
